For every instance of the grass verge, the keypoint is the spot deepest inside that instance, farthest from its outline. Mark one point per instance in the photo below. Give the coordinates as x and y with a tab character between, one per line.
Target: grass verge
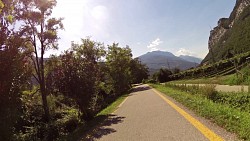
112	107
225	116
222	80
81	132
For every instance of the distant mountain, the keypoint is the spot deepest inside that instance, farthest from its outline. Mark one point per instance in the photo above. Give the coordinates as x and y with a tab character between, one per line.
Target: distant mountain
159	59
191	58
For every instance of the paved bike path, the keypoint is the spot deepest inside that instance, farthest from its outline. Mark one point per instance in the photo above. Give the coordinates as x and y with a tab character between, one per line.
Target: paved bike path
146	116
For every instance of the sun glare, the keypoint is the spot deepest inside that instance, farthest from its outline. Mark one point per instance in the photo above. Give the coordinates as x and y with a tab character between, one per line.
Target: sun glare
99	12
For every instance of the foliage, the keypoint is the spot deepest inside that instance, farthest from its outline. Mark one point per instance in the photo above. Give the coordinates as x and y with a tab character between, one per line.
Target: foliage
208	90
234	41
176	70
139	71
163	75
224	115
78	75
31	125
146	81
118	63
70	89
243	77
113	106
82	133
40	32
77	82
14	71
220	68
1	6
239	101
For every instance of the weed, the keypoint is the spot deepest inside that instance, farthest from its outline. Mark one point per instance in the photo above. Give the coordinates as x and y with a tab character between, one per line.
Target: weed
225	113
209	91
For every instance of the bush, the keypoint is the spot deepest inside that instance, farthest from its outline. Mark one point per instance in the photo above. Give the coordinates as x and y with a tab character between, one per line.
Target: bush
239	101
32	126
209	91
150	81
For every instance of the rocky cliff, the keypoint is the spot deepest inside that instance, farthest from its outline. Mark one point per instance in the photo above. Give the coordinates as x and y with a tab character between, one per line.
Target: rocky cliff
226	28
224	24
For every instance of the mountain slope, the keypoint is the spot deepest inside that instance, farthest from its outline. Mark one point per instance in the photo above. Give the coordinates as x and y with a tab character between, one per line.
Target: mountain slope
232	35
158	59
191	58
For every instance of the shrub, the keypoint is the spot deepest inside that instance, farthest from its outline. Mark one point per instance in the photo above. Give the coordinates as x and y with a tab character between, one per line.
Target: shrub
151	81
209	91
239	100
32	126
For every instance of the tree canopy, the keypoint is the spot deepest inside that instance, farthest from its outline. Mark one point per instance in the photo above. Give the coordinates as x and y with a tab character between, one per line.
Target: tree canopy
47	98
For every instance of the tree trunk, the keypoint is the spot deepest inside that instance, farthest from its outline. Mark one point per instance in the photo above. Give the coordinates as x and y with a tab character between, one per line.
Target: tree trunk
43	90
45	103
42	84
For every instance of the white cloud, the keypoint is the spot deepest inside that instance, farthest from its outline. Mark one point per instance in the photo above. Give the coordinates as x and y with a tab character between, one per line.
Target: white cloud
153	45
183	51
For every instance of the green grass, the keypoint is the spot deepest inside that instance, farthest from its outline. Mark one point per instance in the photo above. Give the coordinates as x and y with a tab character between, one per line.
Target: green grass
221	80
225	116
214	80
83	129
113	106
232	79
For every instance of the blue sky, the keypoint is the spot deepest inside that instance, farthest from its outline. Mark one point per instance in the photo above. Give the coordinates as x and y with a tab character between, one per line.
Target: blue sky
180	27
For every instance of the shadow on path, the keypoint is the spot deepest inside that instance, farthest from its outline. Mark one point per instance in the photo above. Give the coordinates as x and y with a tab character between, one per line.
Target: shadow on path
103	128
140	88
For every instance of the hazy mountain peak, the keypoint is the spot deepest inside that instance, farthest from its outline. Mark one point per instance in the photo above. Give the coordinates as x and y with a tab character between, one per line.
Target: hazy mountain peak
163	53
162	59
191	58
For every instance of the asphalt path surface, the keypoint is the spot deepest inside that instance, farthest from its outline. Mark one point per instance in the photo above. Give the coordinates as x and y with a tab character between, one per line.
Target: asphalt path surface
146	116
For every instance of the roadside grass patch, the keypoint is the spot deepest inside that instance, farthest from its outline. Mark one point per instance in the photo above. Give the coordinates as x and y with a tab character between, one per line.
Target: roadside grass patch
232	119
113	106
243	78
83	129
213	80
240	101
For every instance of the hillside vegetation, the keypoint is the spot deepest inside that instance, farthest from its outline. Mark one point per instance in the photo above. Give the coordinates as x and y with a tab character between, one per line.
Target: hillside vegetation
235	40
46	99
220	68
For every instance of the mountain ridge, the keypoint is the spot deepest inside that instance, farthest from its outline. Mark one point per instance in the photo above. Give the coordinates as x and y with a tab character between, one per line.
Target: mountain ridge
191	58
162	59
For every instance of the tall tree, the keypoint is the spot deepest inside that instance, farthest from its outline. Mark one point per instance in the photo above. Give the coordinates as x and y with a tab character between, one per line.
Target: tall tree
78	76
118	62
13	70
139	71
41	33
163	75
